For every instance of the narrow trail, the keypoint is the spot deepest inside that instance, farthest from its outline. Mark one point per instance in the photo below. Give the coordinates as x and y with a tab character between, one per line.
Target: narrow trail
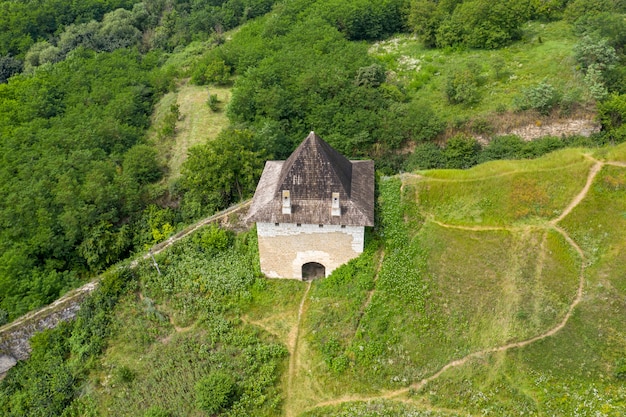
508	346
479	228
292	347
583	193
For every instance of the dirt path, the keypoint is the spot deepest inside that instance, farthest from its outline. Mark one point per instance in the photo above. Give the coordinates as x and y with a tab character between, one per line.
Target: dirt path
479	228
513	345
292	346
583	193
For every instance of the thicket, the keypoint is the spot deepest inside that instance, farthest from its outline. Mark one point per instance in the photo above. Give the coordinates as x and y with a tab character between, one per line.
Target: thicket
76	173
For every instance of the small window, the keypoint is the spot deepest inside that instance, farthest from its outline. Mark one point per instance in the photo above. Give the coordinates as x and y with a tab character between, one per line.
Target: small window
343	226
276	224
321	225
298	224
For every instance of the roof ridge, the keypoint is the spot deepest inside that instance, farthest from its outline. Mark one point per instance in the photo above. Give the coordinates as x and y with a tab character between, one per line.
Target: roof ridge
319	166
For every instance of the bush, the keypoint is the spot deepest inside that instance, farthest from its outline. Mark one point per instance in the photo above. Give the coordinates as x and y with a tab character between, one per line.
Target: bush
612	115
370	76
425	156
503	147
215	392
213	102
461	152
462	86
541	97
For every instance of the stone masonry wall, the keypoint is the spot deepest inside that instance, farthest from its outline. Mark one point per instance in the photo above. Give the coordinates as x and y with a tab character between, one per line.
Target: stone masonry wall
283	249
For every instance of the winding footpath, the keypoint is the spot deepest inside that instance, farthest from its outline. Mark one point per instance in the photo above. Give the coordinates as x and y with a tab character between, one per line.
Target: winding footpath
552	224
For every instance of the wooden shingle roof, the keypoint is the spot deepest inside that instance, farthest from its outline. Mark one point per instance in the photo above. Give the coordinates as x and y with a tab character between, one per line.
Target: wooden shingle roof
312	173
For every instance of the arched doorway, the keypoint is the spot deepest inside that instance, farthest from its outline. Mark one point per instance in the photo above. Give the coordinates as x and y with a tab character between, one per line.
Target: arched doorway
313	270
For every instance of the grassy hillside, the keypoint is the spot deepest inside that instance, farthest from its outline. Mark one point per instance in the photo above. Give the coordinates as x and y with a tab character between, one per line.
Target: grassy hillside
476	295
544	53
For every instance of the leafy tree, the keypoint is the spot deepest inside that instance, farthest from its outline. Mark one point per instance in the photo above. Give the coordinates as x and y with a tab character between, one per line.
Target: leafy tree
483	24
424	19
593	52
370	76
220	172
8	67
140	163
117	31
577	9
426	156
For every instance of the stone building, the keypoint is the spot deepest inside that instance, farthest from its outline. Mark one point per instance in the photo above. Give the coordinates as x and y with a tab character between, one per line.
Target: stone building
311	211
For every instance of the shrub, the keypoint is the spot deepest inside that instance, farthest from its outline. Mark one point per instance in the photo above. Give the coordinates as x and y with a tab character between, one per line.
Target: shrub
595	52
213	102
612	115
425	156
503	147
215	392
461	152
541	97
370	76
462	86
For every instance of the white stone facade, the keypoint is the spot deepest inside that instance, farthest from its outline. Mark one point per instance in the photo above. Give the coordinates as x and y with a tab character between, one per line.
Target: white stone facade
285	247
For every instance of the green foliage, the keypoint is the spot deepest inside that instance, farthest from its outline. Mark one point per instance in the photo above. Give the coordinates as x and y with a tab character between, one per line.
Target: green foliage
370	76
73	181
213	239
483	24
541	97
426	156
612	115
141	165
462	86
583	8
167	129
213	102
215	392
221	172
362	19
595	53
424	19
217	72
24	23
51	379
8	67
461	152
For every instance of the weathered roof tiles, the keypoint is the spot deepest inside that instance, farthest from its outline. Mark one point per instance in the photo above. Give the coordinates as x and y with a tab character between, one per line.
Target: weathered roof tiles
312	173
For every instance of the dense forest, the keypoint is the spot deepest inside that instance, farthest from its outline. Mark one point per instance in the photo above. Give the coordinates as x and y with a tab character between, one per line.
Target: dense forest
81	181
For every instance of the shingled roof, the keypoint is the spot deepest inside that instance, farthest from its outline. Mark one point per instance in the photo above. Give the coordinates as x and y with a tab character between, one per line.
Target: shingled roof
312	173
